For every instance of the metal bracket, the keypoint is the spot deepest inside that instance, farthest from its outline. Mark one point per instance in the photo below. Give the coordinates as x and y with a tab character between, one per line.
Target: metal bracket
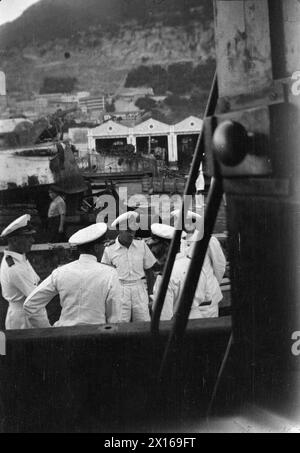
274	94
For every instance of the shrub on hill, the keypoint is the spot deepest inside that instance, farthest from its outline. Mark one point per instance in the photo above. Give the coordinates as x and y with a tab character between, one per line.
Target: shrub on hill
145	103
179	78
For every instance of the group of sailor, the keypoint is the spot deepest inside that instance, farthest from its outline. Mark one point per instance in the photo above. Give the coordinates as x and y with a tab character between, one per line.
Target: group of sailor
108	283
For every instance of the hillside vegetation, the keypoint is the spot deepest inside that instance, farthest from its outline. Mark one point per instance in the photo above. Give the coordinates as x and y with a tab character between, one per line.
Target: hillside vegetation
55	19
104	45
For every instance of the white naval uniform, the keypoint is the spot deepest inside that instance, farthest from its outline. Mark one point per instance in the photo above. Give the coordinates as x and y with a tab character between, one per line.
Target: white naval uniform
214	252
217	258
18	280
89	293
208	289
130	264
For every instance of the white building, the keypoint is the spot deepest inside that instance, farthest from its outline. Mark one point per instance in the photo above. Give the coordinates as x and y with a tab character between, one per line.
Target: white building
92	103
73	98
147	136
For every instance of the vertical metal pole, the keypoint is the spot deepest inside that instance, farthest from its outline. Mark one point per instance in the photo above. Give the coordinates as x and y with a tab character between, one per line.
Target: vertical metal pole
189	190
192	277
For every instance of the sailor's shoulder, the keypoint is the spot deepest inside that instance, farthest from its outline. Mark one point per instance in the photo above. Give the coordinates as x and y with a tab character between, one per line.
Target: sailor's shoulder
108	269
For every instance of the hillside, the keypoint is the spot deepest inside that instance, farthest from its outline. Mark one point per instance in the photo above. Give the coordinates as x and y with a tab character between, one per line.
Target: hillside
51	19
99	42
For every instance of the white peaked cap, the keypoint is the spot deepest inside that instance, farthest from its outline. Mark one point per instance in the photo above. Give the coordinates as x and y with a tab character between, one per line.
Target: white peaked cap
128	217
19	226
88	234
163	231
189	214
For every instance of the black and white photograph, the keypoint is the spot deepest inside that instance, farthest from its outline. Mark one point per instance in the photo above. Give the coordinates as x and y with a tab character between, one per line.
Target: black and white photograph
150	219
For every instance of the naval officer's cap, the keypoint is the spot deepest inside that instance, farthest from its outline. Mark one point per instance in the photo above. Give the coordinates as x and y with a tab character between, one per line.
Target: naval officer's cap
89	234
20	226
162	231
127	220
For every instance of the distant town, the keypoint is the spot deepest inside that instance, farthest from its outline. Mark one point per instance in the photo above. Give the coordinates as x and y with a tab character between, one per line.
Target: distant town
106	124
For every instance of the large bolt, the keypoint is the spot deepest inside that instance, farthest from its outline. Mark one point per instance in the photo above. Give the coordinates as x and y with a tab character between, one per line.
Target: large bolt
230	143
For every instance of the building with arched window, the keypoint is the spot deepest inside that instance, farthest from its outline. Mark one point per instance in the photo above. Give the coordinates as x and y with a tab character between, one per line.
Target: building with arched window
174	143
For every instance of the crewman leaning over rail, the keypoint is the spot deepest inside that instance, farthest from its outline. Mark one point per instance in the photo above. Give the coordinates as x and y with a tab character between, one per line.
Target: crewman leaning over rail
89	291
133	261
18	278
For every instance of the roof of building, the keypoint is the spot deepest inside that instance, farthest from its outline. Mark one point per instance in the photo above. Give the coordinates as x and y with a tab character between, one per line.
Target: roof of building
110	128
190	124
139	91
150	126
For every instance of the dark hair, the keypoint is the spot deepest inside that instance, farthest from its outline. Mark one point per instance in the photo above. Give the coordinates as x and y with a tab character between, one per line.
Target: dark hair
89	248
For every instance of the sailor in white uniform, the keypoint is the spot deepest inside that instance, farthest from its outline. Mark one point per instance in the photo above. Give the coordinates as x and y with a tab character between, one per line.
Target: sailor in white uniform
133	261
194	223
18	278
208	293
89	291
159	244
161	237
